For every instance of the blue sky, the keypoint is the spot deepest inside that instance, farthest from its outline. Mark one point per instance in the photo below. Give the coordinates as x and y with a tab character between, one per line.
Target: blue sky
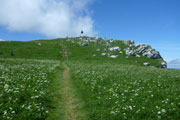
154	22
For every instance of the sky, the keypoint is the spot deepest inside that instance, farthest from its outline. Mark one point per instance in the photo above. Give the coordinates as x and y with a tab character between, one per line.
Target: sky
153	22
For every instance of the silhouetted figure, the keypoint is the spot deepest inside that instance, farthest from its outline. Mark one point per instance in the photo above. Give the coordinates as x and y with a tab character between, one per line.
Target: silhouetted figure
82	32
11	53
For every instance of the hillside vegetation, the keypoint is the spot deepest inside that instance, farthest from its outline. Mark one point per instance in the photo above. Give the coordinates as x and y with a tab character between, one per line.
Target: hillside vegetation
102	80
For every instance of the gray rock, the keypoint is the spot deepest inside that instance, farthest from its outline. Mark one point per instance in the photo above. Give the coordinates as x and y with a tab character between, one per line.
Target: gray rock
154	55
142	48
130	52
115	49
146	50
164	64
146	64
114	56
104	54
138	56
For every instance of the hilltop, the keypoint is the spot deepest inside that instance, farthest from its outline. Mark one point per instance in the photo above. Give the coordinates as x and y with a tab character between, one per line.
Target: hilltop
85	48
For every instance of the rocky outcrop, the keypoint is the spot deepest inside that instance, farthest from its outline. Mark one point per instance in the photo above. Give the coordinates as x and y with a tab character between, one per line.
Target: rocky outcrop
163	64
114	49
146	50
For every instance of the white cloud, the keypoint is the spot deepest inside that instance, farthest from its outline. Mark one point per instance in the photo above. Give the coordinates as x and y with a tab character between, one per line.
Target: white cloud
174	62
53	18
1	39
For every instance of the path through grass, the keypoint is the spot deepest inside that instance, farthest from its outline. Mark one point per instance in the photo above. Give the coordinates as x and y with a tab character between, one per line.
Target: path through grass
73	106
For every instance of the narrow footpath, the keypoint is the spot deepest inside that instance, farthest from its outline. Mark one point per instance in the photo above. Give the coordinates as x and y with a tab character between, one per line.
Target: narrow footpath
72	104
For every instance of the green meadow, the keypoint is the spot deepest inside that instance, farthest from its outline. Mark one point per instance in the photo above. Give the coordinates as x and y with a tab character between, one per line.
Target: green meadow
61	79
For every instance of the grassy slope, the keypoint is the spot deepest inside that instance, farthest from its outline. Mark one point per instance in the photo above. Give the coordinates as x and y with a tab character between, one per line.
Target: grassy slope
49	50
48	53
108	72
122	88
25	88
113	92
77	52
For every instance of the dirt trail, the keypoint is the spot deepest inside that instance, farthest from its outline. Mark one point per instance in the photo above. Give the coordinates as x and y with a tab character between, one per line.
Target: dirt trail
72	105
67	94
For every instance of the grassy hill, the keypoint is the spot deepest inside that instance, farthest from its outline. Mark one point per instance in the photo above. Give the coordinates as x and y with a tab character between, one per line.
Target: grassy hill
51	50
108	83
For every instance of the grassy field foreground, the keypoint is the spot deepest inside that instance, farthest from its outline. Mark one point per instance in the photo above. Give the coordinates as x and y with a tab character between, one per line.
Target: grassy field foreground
114	91
26	89
33	85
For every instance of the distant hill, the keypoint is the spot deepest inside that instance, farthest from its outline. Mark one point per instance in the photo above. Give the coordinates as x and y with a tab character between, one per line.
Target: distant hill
174	64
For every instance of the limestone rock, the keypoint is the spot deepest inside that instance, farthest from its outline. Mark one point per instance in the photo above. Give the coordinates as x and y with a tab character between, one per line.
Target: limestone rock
114	56
104	54
146	50
130	52
138	56
146	64
164	64
115	49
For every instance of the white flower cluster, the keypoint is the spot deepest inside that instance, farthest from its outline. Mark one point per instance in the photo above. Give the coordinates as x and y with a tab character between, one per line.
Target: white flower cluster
23	89
124	91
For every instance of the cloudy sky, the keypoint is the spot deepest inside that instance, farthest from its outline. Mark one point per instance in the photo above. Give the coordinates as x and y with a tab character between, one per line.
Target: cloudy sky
154	22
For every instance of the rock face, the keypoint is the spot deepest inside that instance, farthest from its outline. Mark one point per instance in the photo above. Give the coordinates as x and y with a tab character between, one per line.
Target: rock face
146	50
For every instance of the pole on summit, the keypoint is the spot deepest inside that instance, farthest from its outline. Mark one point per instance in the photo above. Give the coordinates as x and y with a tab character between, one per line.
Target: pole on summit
82	32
